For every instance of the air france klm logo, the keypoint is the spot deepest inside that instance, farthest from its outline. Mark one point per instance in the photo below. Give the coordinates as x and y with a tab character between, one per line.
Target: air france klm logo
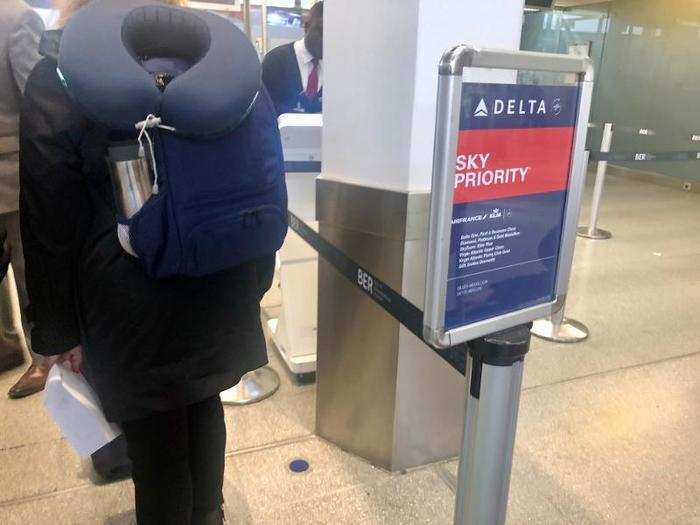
515	106
495	213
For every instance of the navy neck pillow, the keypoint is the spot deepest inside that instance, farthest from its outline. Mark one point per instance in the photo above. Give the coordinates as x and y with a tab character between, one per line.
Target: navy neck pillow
110	48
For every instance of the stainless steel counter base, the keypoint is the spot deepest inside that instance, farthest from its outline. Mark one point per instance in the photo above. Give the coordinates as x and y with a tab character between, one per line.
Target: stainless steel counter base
382	394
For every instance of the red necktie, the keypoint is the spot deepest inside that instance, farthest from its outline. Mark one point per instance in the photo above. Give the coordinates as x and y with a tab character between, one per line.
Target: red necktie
312	84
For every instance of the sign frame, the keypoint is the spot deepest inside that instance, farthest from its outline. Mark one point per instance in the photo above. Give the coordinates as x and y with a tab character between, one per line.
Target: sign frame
452	65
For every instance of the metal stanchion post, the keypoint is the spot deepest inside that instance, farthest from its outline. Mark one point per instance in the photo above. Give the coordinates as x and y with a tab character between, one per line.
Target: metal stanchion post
592	231
247	23
253	387
559	329
265	31
495	372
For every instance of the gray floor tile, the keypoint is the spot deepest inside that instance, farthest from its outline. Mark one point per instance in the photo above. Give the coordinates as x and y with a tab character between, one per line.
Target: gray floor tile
417	498
260	482
684	518
23	421
276	419
646	326
40	468
108	505
615	448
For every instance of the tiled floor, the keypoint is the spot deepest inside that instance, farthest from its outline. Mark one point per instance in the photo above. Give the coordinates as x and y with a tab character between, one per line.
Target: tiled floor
608	433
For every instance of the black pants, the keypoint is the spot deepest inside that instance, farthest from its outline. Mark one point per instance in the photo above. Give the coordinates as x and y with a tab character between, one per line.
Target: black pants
178	464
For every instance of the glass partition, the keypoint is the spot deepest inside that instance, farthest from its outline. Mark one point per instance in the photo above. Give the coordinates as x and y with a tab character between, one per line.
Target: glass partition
647	68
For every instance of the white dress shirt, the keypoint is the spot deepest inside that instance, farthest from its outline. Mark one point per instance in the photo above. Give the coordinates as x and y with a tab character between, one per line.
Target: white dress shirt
306	66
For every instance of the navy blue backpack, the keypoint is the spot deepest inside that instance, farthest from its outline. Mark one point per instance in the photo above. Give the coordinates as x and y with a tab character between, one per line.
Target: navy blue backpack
186	86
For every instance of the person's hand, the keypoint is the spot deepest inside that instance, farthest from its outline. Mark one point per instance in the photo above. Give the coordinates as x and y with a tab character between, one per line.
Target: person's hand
5	255
73	359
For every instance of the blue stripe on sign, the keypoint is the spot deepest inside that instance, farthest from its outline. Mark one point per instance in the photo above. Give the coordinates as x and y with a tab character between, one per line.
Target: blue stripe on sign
503	256
514	106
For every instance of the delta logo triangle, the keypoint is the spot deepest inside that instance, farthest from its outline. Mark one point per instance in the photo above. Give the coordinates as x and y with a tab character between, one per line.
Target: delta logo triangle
481	109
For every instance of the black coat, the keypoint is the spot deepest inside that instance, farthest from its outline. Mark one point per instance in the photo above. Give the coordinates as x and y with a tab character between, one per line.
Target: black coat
282	79
149	345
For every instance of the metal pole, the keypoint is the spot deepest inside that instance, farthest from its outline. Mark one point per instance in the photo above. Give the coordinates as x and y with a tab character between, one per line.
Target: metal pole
246	19
560	329
265	43
495	368
592	231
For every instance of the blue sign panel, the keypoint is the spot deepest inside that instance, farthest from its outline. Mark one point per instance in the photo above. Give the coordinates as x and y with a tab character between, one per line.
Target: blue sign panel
511	181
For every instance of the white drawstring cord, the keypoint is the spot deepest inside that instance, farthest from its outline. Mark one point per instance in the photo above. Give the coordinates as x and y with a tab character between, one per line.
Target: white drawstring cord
151	122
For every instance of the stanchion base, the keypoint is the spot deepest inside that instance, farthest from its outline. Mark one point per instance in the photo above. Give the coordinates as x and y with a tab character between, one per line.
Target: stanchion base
569	331
253	387
597	234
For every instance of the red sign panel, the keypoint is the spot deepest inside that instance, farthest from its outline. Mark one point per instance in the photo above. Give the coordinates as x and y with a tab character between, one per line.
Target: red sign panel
497	163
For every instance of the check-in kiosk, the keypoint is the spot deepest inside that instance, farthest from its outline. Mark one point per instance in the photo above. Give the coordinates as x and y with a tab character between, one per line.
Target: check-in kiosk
293	329
301	135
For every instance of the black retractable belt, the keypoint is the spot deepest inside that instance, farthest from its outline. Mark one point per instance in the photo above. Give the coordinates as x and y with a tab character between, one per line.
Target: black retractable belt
646	156
302	166
381	293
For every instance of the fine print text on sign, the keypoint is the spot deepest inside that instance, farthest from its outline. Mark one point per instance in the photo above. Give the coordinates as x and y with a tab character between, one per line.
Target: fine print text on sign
510	190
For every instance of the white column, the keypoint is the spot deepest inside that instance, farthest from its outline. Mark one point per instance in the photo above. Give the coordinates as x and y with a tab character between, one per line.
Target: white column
380	81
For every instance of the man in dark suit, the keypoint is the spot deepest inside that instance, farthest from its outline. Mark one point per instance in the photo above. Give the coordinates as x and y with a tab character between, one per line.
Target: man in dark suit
293	73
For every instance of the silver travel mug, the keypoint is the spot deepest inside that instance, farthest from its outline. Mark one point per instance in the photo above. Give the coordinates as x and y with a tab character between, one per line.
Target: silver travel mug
131	179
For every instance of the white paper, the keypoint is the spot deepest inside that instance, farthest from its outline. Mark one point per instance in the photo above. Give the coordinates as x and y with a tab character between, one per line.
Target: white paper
74	407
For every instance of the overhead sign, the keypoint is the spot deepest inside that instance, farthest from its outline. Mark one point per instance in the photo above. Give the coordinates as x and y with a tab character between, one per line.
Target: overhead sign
510	189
